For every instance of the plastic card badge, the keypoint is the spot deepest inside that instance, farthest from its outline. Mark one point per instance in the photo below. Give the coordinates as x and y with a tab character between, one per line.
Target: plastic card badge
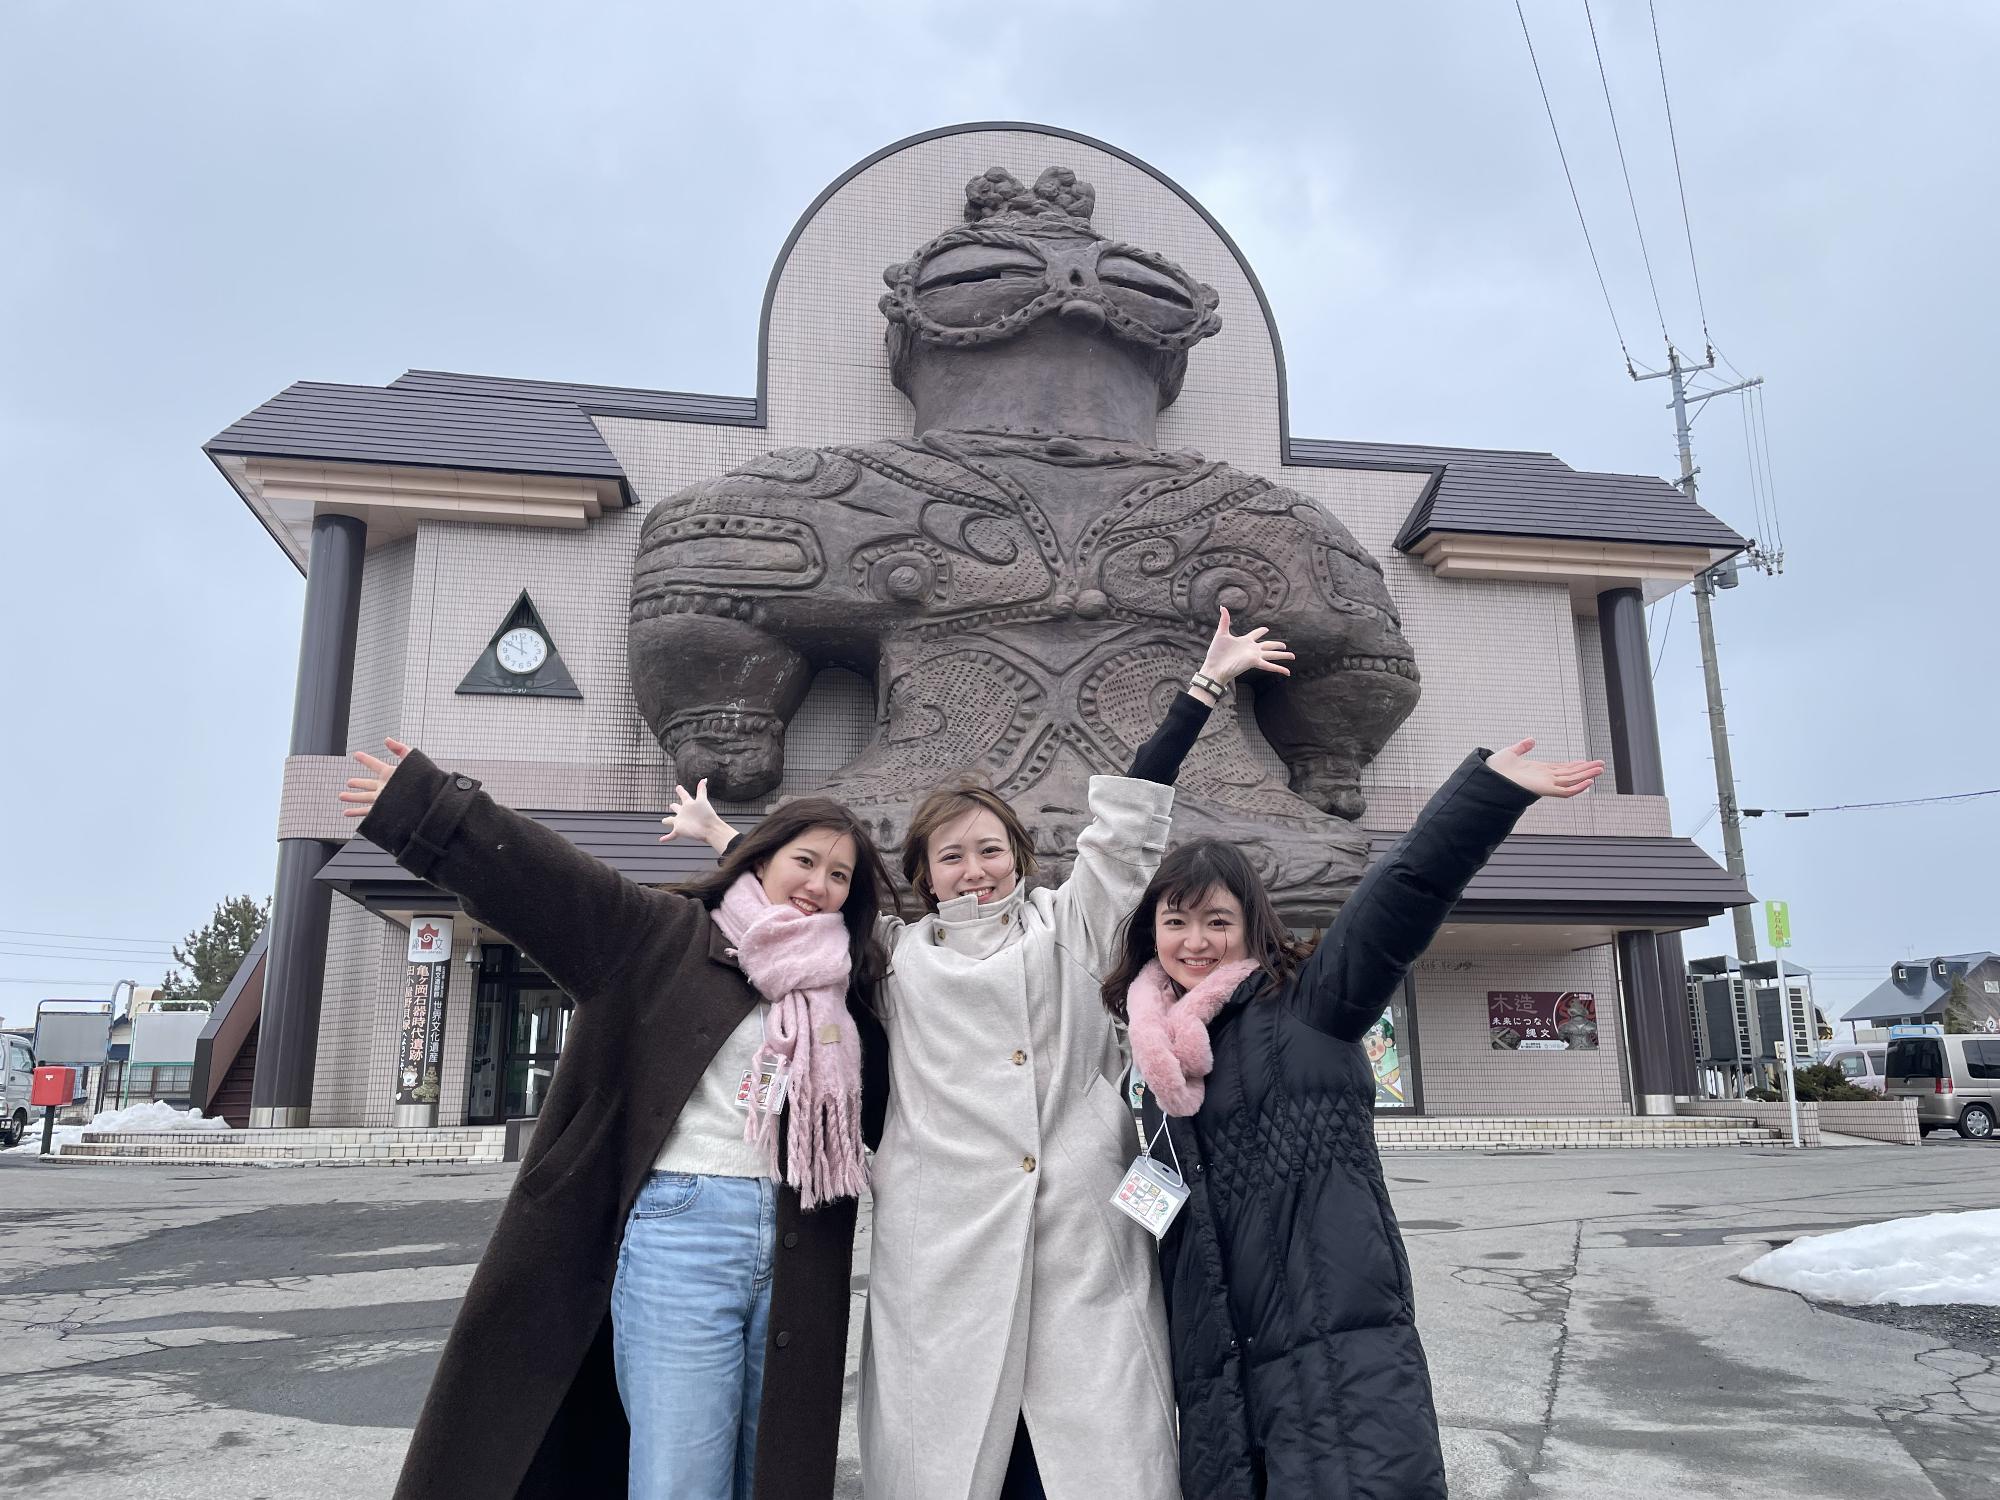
1152	1193
763	1086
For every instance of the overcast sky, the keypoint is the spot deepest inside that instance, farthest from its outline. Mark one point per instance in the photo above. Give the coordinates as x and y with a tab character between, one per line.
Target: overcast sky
204	202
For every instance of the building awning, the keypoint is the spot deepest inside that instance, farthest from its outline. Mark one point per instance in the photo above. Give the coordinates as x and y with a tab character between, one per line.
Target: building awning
1666	884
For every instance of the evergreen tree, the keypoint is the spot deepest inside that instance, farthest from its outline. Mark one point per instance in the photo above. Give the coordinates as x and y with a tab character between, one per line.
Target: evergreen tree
1958	1017
211	955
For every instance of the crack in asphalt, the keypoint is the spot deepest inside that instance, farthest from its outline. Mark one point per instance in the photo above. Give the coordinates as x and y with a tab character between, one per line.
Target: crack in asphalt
1550	1293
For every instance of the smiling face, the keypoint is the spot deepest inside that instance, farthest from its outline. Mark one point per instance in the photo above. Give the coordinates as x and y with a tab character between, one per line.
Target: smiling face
1192	939
971	856
812	873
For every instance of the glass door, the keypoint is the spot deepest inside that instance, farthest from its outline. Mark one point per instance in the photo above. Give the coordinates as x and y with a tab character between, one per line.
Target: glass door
519	1023
539	1020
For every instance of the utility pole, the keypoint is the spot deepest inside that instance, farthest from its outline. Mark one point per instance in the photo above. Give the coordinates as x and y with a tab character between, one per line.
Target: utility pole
1723	575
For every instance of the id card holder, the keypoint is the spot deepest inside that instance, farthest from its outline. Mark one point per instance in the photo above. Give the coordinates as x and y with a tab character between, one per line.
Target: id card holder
762	1087
1151	1194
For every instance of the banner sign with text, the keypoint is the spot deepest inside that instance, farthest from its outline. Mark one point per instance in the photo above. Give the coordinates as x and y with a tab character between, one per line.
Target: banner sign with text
426	978
1542	1020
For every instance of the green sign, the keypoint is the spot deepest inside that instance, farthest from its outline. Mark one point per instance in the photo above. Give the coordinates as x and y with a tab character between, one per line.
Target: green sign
1778	916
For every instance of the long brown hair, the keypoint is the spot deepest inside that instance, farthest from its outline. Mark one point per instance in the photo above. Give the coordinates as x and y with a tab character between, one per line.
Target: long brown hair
1184	875
945	804
866	892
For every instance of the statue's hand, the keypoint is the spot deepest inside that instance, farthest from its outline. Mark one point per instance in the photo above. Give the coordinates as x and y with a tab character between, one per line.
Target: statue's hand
1331	783
741	767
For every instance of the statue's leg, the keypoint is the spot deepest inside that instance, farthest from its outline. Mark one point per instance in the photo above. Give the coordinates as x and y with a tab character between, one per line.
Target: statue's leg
718	694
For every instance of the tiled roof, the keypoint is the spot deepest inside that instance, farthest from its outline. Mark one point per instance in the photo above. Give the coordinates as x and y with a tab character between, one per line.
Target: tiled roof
442	428
1498	492
439	418
1585	879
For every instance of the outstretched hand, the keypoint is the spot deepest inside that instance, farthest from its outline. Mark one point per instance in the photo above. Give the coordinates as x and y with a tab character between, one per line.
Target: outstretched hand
692	816
1230	656
1545	778
363	790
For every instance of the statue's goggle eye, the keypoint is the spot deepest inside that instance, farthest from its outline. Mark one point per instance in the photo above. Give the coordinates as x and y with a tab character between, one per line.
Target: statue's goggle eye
969	265
1127	274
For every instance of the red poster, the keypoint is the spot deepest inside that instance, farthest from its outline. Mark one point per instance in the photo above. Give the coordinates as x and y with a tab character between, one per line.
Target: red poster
1542	1020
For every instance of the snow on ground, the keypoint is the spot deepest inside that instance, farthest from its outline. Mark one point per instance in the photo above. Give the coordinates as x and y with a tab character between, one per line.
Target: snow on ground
149	1117
1926	1261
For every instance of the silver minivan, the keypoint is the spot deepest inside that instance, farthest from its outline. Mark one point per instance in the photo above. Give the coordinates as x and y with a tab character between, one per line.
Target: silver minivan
1954	1079
17	1081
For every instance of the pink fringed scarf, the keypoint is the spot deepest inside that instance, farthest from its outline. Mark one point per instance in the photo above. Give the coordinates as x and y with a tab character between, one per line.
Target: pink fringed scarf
1170	1033
800	964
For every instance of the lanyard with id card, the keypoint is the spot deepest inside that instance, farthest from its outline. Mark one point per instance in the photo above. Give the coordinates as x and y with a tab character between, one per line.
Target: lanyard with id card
1152	1192
763	1085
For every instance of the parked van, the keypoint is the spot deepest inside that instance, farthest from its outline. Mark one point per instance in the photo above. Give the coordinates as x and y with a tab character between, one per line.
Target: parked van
17	1081
1954	1079
1863	1064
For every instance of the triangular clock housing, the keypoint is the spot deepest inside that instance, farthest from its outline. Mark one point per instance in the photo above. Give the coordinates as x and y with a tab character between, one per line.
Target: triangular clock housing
521	661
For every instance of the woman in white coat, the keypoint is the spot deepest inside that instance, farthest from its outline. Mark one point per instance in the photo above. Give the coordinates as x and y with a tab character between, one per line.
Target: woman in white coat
1015	1342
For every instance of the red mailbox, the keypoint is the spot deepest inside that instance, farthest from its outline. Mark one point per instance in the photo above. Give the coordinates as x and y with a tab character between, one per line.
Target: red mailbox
55	1086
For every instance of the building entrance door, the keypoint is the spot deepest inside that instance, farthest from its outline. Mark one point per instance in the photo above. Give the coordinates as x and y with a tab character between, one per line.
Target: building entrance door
519	1023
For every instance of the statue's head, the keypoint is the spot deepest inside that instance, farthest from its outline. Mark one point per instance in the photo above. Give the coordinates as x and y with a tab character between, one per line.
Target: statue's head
1025	254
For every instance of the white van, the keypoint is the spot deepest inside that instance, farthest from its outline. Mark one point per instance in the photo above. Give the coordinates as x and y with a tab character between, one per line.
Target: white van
17	1081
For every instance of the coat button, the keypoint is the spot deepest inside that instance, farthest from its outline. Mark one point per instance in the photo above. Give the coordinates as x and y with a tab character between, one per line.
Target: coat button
791	1240
937	936
1027	1164
1006	917
1019	1057
782	1339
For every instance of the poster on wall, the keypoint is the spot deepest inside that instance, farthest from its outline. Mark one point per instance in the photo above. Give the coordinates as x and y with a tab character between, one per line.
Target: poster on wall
1386	1059
1542	1020
426	980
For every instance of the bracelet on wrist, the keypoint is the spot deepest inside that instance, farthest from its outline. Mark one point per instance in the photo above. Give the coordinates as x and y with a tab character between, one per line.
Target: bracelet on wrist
1207	684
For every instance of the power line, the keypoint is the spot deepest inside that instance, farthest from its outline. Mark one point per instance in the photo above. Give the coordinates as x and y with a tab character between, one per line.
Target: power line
1563	156
1770	483
30	932
1665	631
131	960
1806	812
1630	196
1679	181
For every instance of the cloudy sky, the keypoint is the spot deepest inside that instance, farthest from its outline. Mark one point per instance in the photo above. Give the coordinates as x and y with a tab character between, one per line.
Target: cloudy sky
207	201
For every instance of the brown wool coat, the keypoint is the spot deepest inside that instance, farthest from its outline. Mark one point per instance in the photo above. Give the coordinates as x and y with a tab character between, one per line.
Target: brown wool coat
525	1402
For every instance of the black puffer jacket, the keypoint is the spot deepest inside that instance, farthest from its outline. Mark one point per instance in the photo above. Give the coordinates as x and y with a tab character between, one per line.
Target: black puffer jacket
1296	1358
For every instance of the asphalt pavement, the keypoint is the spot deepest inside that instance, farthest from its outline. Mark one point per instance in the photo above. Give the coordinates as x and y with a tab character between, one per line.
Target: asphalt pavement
269	1332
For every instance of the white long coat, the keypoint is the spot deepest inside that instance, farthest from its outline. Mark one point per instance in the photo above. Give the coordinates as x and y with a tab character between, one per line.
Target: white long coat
1002	1282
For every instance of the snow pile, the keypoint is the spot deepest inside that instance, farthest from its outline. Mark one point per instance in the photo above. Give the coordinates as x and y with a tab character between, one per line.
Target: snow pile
1925	1261
151	1117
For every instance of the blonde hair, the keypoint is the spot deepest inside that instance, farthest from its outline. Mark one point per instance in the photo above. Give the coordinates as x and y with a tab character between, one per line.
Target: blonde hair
946	804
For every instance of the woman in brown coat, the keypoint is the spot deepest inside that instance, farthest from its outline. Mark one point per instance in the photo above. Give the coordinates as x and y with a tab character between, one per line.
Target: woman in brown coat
666	1250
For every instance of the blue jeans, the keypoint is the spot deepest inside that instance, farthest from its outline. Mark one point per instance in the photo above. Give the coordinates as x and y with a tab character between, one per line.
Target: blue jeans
689	1312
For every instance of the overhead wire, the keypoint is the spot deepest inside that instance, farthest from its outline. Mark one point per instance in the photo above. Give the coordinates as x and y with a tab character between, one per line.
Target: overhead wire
1805	812
1630	196
1679	181
1756	469
1570	178
1770	484
93	937
1666	630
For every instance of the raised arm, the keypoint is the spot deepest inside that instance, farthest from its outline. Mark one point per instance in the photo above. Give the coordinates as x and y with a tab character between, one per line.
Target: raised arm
1399	905
1130	819
574	915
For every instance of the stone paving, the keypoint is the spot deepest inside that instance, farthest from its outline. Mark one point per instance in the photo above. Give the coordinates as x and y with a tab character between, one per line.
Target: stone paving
169	1332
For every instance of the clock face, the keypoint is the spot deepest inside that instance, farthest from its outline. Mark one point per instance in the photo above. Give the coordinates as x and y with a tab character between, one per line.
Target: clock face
522	650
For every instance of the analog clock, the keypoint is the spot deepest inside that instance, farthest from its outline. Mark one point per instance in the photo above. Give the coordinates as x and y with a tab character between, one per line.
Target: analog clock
522	650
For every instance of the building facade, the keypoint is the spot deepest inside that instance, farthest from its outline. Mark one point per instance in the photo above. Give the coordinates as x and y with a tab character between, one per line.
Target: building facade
469	544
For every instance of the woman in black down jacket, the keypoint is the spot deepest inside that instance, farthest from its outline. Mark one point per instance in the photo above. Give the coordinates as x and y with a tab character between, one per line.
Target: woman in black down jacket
1296	1358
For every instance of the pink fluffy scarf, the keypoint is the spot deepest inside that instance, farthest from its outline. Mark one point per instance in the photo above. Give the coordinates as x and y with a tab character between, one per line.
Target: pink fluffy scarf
1170	1033
800	964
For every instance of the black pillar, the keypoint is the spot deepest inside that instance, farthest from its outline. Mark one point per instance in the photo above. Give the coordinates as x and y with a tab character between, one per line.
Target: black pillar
295	970
1628	686
1651	970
